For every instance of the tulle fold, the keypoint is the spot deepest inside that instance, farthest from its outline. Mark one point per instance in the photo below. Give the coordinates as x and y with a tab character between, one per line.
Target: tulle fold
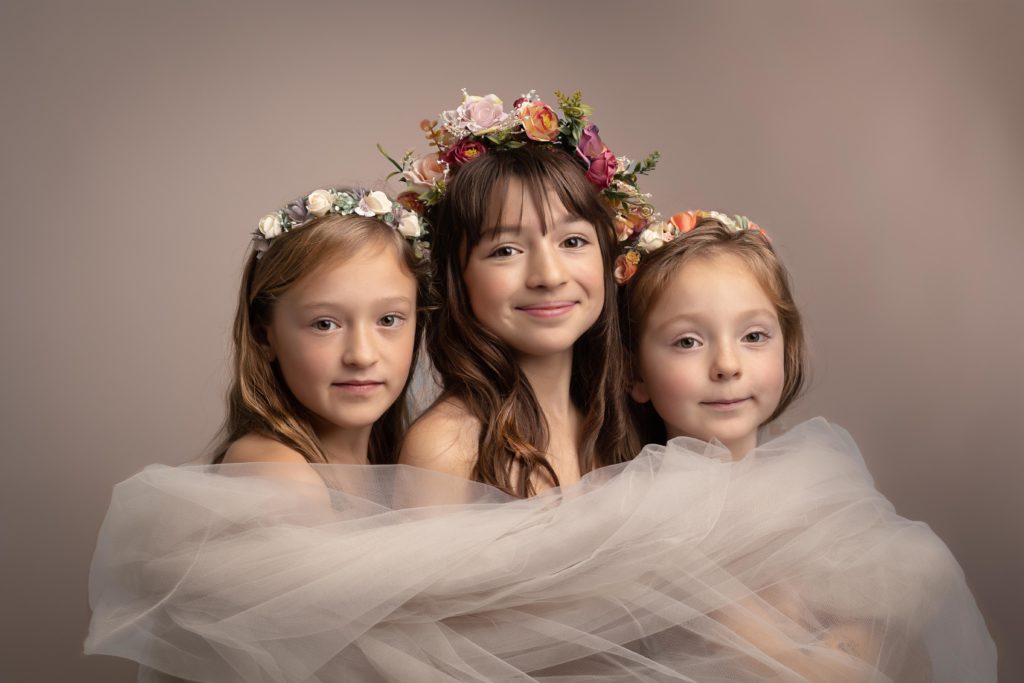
680	565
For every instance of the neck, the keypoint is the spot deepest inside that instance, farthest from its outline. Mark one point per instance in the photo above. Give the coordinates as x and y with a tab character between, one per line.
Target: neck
550	378
345	446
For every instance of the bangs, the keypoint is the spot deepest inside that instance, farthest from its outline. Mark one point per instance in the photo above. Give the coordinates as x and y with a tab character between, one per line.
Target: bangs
543	173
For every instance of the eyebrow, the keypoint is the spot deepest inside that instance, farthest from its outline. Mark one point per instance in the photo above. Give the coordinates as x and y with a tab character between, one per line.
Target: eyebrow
501	229
697	317
387	301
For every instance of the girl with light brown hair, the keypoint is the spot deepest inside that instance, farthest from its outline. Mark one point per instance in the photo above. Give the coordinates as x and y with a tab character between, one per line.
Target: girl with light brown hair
327	329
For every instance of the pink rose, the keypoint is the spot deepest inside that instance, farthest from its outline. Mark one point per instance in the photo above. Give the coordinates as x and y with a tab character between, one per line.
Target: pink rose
481	114
424	171
464	151
590	145
539	121
602	169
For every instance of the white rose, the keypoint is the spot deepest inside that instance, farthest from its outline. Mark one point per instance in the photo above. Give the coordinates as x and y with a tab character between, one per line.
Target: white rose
270	226
650	240
374	204
728	222
409	225
319	202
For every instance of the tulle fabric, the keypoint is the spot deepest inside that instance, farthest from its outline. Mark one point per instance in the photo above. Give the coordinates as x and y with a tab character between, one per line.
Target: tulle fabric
677	566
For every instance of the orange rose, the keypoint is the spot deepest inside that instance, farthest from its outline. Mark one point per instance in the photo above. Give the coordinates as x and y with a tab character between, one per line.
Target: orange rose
625	268
539	121
685	221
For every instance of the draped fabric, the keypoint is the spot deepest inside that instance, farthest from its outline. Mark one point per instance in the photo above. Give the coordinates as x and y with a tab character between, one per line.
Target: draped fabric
680	565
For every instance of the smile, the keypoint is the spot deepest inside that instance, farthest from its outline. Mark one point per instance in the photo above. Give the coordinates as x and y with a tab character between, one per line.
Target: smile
550	309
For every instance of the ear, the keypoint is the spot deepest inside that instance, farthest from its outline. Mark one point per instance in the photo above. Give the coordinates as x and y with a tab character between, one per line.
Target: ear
639	391
267	343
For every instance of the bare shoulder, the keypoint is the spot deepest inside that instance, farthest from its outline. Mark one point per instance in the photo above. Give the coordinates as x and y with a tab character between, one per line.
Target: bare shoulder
268	456
258	448
444	438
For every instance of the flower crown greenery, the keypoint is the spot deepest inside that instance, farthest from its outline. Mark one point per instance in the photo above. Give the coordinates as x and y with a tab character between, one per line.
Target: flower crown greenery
480	126
319	203
638	243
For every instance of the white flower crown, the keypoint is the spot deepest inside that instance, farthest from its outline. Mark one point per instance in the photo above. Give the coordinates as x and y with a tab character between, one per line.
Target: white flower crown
319	203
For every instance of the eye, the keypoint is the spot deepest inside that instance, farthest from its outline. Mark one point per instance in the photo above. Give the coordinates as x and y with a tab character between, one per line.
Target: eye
575	242
324	325
758	337
686	343
391	320
504	251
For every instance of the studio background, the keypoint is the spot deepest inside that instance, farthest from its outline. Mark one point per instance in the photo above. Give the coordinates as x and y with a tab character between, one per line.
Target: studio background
880	144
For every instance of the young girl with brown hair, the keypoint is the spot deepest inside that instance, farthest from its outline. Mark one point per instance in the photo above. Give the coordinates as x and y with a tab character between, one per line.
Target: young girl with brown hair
831	585
327	328
524	332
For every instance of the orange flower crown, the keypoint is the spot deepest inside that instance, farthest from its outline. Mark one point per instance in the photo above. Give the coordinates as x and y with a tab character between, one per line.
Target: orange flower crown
481	126
639	241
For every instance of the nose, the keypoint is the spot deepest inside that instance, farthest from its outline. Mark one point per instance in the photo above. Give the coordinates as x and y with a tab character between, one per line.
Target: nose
546	269
359	350
725	363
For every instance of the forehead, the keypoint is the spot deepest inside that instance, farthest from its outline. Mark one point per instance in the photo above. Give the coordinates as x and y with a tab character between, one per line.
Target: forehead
516	202
371	271
712	286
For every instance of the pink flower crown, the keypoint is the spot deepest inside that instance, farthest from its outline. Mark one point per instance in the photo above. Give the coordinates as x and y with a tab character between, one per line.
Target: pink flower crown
480	126
639	241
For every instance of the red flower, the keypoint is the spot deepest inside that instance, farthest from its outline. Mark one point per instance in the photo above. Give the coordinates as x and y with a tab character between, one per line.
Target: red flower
602	169
465	150
411	200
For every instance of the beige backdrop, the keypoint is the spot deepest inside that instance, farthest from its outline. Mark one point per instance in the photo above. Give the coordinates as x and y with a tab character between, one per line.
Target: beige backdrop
880	144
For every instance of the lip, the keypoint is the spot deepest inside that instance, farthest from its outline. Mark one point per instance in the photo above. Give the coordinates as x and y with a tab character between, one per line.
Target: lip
358	387
548	309
726	405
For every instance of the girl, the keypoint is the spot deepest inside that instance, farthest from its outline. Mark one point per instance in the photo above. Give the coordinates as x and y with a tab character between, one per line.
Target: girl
524	335
843	588
322	361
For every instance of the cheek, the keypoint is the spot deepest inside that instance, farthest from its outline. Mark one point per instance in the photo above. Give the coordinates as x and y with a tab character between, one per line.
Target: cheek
305	361
489	290
592	273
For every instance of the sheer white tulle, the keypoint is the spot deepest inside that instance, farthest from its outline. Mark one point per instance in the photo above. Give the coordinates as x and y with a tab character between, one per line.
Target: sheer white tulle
680	565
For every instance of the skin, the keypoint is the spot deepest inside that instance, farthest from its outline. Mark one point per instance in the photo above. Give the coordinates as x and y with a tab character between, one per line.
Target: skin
344	349
714	334
711	354
538	292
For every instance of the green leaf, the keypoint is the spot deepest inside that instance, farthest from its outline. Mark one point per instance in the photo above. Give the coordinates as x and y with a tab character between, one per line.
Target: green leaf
388	157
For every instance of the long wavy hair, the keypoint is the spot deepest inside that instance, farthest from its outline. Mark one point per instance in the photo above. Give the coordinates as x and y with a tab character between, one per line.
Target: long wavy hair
709	239
259	400
479	370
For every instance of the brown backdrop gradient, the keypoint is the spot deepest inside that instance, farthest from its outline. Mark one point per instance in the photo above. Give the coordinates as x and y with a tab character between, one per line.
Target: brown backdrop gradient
879	143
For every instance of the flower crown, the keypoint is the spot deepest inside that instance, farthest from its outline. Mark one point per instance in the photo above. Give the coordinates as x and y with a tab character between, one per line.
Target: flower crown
343	202
480	125
641	241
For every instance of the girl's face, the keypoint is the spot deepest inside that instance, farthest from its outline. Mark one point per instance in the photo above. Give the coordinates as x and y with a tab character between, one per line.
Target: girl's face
343	336
537	292
711	354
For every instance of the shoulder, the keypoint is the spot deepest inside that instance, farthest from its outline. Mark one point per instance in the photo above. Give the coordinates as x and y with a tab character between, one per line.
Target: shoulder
444	439
258	448
273	459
